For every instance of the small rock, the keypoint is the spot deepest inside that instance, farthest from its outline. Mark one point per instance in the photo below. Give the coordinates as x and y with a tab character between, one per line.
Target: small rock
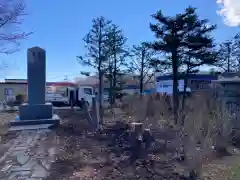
6	167
22	158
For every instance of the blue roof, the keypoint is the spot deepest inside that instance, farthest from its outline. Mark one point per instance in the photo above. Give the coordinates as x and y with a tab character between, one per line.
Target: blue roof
190	76
131	86
150	91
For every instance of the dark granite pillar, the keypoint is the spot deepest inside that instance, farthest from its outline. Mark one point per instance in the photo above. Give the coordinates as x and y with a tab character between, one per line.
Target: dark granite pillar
36	75
36	109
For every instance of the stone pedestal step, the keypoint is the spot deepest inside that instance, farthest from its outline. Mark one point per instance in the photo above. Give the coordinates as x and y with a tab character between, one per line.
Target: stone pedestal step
55	120
30	127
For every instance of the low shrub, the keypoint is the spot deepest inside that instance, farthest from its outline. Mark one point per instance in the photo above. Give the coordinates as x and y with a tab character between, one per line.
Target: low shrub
19	99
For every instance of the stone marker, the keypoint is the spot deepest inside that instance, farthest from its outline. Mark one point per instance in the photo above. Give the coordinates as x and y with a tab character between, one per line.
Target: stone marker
36	75
36	108
36	114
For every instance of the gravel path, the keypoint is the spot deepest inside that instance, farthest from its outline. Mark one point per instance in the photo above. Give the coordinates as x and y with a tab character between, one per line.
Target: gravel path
29	157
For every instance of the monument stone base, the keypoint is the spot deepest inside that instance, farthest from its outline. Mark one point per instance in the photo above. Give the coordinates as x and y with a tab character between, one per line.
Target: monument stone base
35	116
35	111
53	121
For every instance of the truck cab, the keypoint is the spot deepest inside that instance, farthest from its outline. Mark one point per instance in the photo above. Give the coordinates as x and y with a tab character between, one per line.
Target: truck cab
81	94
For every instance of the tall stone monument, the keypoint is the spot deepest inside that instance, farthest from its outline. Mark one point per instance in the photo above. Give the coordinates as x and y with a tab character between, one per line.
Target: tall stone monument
36	111
36	75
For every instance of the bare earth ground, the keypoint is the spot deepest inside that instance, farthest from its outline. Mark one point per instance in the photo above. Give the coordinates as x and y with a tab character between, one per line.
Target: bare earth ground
227	168
5	117
87	158
81	157
6	138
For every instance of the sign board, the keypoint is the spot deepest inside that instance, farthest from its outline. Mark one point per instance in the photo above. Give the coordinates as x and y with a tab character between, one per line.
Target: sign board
8	91
11	98
166	86
48	89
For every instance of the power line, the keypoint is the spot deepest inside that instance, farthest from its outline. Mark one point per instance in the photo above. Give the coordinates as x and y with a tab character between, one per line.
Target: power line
64	76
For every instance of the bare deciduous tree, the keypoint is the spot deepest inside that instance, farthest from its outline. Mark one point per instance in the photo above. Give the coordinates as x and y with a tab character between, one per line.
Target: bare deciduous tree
11	17
116	60
97	53
227	61
141	64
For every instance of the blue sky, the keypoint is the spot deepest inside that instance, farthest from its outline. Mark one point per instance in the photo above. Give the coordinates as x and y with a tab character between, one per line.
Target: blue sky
59	27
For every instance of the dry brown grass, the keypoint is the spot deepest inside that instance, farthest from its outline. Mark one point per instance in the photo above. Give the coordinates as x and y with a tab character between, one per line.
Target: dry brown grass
5	118
206	124
5	136
152	111
226	168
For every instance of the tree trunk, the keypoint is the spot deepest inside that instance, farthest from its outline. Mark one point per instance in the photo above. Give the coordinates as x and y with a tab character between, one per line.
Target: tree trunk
114	76
100	90
115	67
228	64
175	86
100	74
110	79
185	89
141	74
228	58
111	91
238	65
184	96
141	86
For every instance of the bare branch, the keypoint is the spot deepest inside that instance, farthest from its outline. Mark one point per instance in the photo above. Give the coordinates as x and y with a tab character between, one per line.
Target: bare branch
11	14
149	78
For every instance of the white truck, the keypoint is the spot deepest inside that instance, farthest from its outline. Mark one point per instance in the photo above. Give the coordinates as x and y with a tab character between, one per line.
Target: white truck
70	96
86	93
57	95
78	95
57	98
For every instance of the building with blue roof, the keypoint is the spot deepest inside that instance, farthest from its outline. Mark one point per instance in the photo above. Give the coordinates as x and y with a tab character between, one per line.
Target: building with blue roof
198	81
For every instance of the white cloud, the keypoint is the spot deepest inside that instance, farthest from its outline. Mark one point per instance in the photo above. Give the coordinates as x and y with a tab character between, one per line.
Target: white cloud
230	11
